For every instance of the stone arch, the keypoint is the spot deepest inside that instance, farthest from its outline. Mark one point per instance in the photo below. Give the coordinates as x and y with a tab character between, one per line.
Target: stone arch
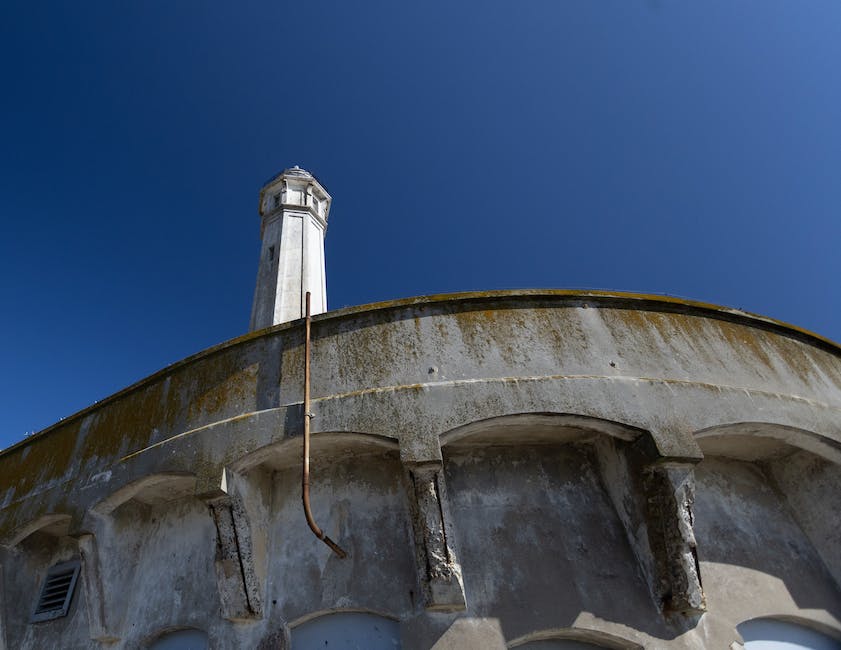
587	638
355	627
785	455
321	613
545	481
544	427
358	498
55	525
754	441
151	490
182	638
287	452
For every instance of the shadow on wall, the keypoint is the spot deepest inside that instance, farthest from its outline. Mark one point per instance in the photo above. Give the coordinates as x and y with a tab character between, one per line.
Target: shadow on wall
540	542
771	508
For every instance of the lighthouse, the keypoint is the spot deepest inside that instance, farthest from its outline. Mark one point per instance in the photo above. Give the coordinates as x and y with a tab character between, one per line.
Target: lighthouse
293	209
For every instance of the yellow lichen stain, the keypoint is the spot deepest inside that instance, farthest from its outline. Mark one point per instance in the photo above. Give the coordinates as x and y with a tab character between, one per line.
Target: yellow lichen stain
800	360
236	389
46	461
441	328
370	355
756	348
749	342
122	426
477	329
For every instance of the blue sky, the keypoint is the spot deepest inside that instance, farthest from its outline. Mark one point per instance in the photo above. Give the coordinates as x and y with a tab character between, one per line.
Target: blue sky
656	146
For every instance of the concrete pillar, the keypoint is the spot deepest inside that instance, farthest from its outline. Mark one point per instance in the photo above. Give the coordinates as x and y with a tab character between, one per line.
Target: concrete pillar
236	578
91	575
294	208
653	496
438	566
670	494
439	571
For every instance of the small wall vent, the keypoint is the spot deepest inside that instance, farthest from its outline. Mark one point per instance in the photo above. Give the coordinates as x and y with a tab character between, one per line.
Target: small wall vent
57	591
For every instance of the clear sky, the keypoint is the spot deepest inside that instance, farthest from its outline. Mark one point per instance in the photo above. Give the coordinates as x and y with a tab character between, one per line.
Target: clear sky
662	146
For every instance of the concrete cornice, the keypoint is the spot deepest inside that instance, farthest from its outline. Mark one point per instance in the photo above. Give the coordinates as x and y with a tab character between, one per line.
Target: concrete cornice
276	213
470	301
600	298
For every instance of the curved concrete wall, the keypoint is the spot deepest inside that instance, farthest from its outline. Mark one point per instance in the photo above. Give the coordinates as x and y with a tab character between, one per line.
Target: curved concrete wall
515	467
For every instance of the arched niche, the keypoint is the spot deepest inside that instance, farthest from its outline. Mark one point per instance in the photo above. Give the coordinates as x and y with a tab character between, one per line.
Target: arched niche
532	505
536	428
785	634
155	525
765	519
359	499
183	639
347	631
799	468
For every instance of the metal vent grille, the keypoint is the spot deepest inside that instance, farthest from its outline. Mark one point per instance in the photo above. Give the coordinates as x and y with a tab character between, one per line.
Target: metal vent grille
57	592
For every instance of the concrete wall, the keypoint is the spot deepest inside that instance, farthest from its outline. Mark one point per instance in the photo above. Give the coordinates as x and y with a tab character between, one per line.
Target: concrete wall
515	469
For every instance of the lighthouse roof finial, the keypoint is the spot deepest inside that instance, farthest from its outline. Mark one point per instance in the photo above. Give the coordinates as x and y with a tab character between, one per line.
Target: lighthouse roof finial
296	171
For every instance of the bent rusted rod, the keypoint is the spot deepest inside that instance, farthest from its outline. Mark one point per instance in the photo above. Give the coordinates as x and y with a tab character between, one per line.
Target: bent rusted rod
305	479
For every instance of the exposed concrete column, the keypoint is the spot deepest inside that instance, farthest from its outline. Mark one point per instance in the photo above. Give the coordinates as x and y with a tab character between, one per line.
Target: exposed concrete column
439	571
91	575
236	578
294	207
232	504
670	495
653	495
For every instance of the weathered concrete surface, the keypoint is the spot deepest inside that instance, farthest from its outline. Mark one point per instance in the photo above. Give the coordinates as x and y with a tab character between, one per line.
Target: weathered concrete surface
756	561
238	587
91	576
440	571
361	503
537	532
670	495
533	403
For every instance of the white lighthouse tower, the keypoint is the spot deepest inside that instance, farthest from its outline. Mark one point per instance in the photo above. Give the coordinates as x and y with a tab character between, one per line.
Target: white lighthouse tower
294	208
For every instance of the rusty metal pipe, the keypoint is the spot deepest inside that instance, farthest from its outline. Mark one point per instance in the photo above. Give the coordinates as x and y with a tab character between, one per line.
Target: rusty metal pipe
305	477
